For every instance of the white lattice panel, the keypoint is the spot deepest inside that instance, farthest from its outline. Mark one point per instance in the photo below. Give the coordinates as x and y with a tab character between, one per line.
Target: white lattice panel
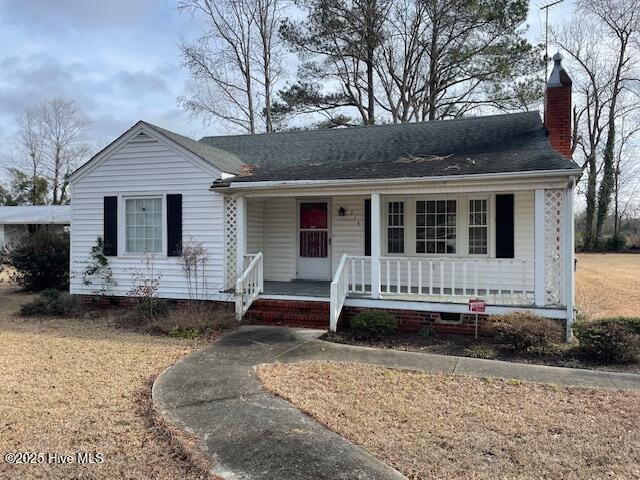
230	240
553	247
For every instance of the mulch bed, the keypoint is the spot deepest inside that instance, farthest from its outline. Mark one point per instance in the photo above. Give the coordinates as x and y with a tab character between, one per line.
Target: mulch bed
564	355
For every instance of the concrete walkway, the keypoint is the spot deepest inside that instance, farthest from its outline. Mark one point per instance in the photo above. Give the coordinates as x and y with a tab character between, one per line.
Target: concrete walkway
250	434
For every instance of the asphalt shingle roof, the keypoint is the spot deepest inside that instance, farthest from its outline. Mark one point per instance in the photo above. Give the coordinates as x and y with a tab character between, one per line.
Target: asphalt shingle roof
223	160
476	145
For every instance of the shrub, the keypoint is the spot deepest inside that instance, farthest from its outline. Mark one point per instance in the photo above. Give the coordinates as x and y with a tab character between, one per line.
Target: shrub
373	324
427	332
40	260
201	317
525	331
50	303
609	340
481	350
615	243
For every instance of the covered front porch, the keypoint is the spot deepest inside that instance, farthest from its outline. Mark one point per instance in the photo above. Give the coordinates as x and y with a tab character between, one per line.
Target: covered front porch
510	244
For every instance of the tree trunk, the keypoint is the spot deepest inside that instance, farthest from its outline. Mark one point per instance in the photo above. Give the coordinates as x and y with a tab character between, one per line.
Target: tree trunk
607	183
592	175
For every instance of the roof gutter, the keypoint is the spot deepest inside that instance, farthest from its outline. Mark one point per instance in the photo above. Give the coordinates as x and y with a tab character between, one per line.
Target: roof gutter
261	185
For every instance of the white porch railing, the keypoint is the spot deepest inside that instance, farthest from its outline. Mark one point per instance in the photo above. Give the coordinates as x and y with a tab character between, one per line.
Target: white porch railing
358	272
498	281
250	284
339	290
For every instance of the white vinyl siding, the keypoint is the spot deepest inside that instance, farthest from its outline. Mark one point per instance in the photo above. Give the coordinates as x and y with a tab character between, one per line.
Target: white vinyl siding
347	232
280	239
523	207
255	226
146	167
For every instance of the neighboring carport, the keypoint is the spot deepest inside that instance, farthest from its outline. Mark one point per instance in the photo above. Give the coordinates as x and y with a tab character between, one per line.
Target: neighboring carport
20	220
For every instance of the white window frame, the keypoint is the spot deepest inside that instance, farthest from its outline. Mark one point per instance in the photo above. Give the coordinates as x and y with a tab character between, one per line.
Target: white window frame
405	202
453	198
122	223
468	226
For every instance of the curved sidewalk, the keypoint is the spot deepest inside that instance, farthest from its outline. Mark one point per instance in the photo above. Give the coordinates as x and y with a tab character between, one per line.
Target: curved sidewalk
251	434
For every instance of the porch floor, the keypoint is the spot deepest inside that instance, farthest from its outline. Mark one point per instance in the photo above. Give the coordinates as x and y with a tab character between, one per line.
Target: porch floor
302	288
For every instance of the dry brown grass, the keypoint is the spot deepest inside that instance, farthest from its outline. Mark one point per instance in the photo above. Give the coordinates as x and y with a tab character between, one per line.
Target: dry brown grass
70	385
440	426
608	284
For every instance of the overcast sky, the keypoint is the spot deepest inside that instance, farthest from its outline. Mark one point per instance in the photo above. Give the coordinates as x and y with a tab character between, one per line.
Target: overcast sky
119	59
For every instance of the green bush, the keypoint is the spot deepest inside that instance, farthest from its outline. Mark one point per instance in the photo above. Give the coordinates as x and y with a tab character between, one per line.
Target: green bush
427	331
373	324
525	331
50	303
188	333
609	340
40	260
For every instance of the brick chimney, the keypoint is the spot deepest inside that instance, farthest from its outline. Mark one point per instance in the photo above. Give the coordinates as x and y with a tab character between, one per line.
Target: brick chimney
557	107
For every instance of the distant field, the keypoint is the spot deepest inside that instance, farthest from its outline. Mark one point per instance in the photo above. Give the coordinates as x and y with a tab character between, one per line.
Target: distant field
608	284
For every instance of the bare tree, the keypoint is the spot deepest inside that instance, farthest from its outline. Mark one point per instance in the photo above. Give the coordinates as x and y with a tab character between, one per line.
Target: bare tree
64	128
234	64
30	148
269	14
51	144
621	19
626	168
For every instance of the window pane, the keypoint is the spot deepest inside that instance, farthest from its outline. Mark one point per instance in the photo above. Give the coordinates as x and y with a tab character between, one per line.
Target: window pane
396	240
478	227
439	217
395	227
143	225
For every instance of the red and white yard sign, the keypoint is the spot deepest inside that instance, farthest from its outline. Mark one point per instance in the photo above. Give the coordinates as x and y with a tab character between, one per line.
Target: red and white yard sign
477	306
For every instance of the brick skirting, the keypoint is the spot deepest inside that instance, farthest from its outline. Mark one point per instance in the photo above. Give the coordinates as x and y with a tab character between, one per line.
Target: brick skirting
414	321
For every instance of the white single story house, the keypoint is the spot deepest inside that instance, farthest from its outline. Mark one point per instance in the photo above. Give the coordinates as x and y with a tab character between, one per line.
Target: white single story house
16	222
417	218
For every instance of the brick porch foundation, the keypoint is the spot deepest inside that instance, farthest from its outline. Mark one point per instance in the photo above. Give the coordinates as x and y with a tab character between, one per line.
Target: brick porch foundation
414	321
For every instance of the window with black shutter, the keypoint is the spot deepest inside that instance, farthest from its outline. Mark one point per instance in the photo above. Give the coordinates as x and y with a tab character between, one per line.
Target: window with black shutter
110	226
174	225
367	227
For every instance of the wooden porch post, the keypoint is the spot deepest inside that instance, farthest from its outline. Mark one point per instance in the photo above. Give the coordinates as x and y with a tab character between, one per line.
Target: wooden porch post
539	293
241	234
569	255
375	245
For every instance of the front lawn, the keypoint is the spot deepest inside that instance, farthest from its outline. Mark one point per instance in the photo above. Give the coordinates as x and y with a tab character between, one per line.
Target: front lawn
81	385
608	284
442	426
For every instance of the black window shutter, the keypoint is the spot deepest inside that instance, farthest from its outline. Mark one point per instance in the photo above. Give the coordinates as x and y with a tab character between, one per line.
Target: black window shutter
504	226
367	227
110	226
174	225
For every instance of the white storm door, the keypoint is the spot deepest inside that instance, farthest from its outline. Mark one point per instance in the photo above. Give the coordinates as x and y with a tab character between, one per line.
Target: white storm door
313	258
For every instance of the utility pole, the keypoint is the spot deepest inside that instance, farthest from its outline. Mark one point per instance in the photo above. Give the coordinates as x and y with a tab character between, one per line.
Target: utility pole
546	35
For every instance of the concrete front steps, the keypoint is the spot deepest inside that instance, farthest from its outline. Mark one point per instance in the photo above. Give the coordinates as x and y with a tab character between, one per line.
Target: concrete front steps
288	313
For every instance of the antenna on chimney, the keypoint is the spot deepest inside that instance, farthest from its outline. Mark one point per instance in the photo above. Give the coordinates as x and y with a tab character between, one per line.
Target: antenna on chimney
546	35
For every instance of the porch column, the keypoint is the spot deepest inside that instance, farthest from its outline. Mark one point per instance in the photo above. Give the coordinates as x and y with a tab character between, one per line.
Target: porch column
569	250
375	245
539	248
241	234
